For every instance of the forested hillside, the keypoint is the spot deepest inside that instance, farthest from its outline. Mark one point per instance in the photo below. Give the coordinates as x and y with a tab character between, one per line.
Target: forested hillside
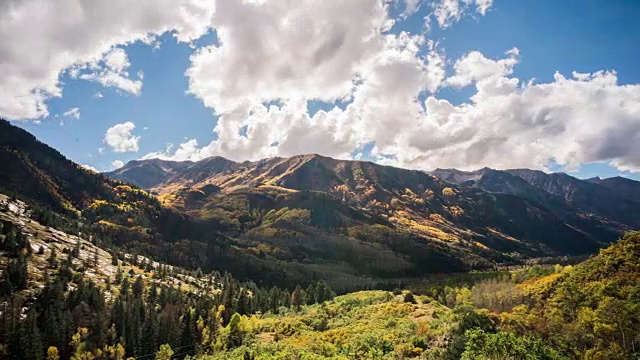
63	297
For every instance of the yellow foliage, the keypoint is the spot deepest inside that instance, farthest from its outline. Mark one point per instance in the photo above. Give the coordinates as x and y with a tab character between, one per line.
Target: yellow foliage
538	288
428	194
425	229
498	233
448	192
455	210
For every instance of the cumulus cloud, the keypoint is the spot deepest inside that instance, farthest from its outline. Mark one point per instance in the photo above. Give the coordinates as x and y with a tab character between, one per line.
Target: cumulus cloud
475	67
41	39
111	71
315	47
90	168
120	137
188	150
274	61
73	112
506	123
570	121
117	164
324	51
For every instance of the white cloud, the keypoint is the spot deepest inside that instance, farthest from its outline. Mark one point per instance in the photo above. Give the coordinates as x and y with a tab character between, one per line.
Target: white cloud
120	138
98	95
40	39
186	151
73	112
90	168
111	71
507	123
273	58
117	164
411	7
448	12
315	47
585	119
483	5
474	67
326	51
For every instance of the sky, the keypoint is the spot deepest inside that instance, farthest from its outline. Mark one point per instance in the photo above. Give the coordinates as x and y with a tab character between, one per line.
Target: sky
542	84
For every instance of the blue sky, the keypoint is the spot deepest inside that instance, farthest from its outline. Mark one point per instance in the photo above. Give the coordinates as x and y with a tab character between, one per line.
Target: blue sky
175	108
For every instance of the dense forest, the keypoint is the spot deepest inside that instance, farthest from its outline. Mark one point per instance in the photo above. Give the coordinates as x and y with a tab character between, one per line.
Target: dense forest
131	316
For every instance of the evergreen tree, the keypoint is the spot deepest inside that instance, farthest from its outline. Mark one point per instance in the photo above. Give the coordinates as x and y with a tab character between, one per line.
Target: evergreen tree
297	298
409	298
235	333
52	261
310	295
138	287
18	272
31	340
114	258
188	336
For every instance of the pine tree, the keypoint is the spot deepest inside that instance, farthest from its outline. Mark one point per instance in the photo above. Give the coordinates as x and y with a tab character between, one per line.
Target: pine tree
52	261
243	303
409	298
150	334
235	334
76	249
138	287
297	298
31	340
310	293
18	272
188	337
323	292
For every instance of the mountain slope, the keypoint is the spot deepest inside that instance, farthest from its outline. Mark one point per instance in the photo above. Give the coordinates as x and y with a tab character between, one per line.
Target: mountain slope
304	244
623	187
149	173
611	201
381	199
585	196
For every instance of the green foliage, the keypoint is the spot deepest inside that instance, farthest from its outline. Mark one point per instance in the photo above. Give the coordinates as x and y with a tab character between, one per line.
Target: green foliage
588	311
486	346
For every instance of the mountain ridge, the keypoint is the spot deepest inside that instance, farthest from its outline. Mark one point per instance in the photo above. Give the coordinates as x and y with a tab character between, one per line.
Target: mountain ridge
367	186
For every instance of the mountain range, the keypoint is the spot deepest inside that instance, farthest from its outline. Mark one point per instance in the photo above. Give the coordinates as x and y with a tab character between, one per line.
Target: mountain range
297	219
489	212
